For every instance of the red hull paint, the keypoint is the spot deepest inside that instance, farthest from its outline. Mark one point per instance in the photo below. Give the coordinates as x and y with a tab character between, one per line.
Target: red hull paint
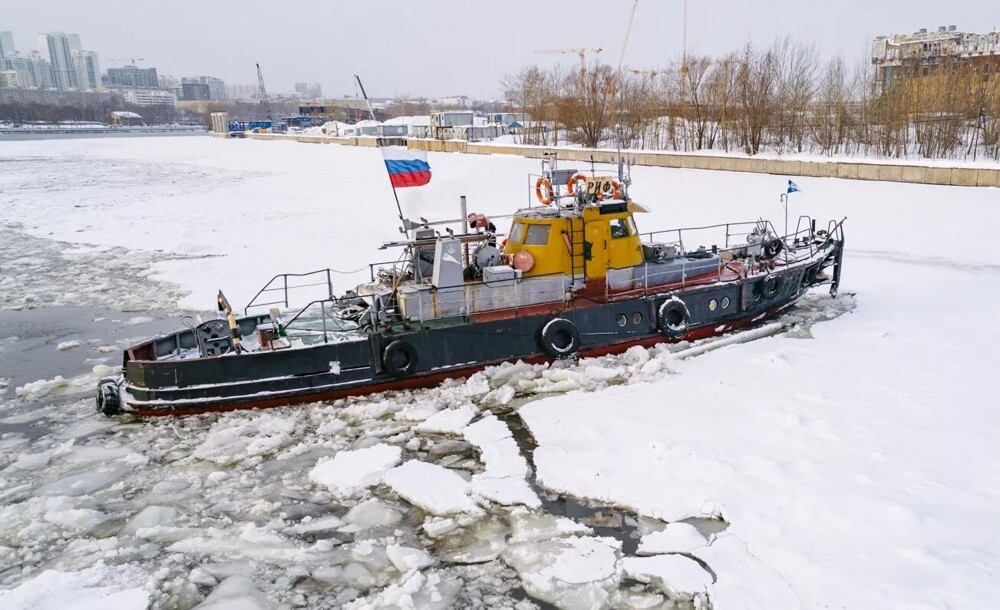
426	381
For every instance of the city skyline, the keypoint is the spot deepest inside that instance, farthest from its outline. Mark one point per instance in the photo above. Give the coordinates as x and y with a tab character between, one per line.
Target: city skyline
411	48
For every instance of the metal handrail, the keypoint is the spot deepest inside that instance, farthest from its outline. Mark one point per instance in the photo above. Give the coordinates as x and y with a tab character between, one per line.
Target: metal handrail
284	288
323	317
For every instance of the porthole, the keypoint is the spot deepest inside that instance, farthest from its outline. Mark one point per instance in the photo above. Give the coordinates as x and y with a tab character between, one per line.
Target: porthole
725	302
636	318
713	305
621	319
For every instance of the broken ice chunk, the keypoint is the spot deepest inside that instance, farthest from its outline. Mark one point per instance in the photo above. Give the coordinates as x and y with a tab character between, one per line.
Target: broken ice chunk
676	537
431	487
351	471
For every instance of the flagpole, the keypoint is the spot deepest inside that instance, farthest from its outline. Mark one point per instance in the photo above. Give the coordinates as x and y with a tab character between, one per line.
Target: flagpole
784	202
378	144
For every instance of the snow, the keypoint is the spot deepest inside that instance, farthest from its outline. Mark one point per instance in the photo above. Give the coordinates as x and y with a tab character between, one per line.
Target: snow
503	481
408	558
350	471
235	593
56	590
568	572
832	463
677	573
433	488
151	516
449	421
854	458
674	538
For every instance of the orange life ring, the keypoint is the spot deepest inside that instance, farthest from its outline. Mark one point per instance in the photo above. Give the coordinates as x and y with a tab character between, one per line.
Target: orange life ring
571	183
545	198
617	188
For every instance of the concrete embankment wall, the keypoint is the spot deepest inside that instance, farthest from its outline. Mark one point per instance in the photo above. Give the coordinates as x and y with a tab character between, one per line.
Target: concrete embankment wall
887	171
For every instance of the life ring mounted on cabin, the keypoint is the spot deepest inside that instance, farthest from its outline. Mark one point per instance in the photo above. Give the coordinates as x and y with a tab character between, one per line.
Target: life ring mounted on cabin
399	359
560	338
601	187
543	190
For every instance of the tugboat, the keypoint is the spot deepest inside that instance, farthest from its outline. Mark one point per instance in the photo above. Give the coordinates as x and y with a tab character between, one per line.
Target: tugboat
572	278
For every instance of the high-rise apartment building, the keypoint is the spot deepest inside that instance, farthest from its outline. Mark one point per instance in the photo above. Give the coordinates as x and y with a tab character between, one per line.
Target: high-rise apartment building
131	76
6	44
33	71
57	44
216	86
192	91
88	70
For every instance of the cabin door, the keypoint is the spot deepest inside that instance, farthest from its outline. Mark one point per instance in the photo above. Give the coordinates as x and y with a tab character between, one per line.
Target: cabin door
597	237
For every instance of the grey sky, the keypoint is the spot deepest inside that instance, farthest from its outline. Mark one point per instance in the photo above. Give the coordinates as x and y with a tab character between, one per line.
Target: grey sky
450	47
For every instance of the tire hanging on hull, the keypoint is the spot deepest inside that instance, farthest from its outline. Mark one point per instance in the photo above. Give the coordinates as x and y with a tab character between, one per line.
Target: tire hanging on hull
560	338
673	318
399	359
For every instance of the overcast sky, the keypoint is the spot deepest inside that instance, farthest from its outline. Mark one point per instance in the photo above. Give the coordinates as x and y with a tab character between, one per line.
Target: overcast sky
450	47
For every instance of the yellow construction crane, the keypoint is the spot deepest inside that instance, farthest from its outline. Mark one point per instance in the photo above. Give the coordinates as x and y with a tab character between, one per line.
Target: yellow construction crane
582	52
628	30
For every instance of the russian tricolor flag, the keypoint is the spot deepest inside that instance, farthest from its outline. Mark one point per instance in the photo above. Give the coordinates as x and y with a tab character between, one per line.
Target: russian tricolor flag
406	167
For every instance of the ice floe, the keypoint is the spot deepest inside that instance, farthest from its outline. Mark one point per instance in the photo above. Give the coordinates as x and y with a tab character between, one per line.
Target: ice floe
433	488
351	471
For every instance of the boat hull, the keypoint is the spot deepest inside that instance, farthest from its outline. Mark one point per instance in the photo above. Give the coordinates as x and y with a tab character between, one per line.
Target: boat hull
451	349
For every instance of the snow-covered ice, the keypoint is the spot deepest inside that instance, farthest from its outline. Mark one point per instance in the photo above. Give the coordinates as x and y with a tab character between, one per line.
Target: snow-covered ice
674	538
504	480
853	459
433	488
351	471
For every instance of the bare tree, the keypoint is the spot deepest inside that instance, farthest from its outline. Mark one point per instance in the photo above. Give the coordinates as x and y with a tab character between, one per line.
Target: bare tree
756	81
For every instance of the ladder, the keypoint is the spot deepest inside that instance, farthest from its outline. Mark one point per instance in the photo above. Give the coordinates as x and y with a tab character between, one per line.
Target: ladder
579	253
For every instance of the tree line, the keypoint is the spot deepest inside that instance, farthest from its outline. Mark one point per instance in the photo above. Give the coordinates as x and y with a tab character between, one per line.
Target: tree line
95	111
782	98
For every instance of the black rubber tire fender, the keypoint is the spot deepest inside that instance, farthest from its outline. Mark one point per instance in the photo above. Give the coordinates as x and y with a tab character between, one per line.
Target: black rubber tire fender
772	248
672	318
108	399
399	358
560	338
773	285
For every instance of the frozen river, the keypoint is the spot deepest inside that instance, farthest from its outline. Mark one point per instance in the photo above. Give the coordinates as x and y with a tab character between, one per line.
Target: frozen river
846	459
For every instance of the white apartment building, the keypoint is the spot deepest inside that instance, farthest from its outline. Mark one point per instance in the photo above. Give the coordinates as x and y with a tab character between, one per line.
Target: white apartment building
6	43
64	75
88	70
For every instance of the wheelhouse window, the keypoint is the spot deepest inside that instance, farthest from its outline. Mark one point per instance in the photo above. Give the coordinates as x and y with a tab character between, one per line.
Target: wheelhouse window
516	233
538	235
621	227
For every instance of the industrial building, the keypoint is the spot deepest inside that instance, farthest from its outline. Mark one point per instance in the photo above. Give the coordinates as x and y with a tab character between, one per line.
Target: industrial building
922	52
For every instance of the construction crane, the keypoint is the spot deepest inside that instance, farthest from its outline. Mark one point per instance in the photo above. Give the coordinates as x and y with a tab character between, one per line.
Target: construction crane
684	52
582	52
628	30
266	103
